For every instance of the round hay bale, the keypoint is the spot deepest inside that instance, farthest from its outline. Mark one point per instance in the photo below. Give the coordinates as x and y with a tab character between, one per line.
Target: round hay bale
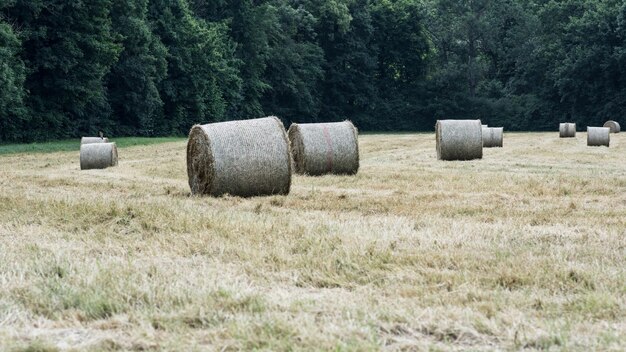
493	137
325	148
567	130
459	139
614	126
598	136
89	140
241	158
98	156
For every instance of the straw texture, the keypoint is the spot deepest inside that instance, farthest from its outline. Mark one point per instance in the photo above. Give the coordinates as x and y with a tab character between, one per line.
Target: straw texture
567	130
614	126
459	139
493	137
325	148
598	136
89	140
241	158
98	156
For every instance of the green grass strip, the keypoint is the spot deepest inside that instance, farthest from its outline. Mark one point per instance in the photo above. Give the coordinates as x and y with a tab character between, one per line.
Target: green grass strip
74	145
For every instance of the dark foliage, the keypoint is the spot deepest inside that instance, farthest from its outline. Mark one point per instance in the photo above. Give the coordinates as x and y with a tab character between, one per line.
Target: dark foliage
156	67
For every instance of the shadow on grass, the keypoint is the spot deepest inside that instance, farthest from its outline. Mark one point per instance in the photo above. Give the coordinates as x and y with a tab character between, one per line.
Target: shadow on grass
74	145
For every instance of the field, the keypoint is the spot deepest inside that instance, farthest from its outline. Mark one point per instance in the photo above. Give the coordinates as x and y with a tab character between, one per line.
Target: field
525	249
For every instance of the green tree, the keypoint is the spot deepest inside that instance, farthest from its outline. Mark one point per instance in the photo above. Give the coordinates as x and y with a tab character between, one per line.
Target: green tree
294	65
200	67
403	51
13	115
68	49
280	60
568	67
479	47
249	23
134	79
589	74
346	34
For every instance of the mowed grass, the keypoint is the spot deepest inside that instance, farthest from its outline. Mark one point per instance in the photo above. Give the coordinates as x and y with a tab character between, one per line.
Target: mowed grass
525	249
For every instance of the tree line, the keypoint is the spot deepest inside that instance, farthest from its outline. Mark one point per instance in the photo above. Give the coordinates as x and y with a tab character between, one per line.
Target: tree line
156	67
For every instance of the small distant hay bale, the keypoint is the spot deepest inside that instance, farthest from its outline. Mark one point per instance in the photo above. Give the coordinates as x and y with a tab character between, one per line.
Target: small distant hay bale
241	158
598	136
493	137
459	139
98	156
614	126
567	130
90	140
325	148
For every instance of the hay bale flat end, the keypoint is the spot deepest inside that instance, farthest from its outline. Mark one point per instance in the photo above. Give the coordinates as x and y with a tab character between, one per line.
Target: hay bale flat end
614	126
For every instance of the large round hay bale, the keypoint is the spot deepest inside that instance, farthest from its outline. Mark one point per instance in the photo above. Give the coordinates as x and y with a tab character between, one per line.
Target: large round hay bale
598	136
493	137
98	156
89	140
613	125
241	158
325	148
459	139
567	130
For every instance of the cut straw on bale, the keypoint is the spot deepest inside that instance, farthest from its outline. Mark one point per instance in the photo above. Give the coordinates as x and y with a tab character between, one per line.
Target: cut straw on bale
598	136
90	140
493	137
325	148
98	156
459	139
613	125
567	130
241	158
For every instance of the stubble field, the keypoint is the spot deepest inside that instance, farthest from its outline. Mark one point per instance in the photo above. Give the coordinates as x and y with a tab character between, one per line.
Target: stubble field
525	249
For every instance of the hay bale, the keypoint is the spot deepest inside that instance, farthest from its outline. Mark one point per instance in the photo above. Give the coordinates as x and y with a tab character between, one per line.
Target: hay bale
241	158
493	137
459	139
613	125
89	140
567	130
98	156
598	136
325	148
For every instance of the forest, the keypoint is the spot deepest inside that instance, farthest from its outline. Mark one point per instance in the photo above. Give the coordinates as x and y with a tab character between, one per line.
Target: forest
156	67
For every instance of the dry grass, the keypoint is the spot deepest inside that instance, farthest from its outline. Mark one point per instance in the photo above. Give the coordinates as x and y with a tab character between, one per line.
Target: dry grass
525	249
